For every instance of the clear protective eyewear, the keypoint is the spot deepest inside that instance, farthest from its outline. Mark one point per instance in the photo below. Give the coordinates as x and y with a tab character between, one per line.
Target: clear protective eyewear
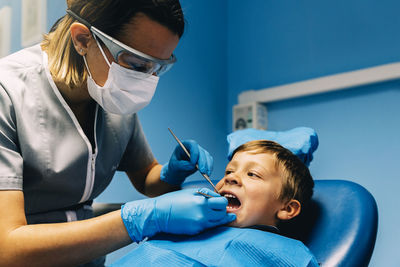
127	56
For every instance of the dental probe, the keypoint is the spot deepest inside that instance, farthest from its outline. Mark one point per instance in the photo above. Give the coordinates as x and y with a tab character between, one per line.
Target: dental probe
204	194
197	166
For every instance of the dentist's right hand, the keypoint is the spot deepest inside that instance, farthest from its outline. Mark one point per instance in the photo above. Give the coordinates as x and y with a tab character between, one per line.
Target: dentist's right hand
180	212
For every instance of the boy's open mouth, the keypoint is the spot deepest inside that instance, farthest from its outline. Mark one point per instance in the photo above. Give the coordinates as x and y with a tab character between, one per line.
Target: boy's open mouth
233	201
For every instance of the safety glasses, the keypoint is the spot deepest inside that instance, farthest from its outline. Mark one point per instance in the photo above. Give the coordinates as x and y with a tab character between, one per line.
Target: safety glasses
127	56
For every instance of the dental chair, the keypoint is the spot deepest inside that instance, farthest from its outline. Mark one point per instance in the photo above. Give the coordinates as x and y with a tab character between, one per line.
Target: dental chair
339	226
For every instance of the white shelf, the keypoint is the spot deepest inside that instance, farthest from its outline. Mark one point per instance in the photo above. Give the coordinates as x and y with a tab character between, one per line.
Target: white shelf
325	84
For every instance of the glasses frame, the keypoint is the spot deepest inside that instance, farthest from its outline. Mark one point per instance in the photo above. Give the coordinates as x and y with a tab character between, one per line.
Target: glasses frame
116	47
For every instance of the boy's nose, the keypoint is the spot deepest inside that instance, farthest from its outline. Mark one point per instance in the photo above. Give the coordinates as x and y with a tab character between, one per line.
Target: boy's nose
233	180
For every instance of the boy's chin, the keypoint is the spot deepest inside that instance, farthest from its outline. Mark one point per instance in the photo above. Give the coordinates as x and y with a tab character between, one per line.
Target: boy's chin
236	224
232	224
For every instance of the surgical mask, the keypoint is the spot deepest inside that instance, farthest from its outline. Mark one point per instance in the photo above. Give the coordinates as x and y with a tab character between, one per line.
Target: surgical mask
125	91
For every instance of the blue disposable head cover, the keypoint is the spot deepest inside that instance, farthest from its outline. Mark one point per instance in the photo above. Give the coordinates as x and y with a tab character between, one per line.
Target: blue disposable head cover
301	141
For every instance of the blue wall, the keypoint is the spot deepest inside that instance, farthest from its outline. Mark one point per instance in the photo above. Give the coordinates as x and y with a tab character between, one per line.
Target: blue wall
277	42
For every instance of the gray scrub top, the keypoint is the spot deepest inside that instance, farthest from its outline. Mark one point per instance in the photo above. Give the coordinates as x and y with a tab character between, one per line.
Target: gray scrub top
44	151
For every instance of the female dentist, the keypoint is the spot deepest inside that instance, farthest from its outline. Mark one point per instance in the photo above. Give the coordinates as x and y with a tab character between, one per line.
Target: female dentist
68	122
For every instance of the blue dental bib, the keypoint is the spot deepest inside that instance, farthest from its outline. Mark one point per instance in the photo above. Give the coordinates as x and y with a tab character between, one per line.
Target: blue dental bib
222	246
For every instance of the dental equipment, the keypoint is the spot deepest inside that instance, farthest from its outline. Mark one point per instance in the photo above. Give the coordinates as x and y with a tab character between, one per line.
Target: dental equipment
204	194
197	167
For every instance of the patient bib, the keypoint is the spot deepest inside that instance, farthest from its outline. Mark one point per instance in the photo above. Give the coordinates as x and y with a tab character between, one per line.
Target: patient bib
222	246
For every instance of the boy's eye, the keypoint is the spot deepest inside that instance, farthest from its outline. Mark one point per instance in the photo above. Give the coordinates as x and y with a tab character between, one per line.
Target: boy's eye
252	174
228	172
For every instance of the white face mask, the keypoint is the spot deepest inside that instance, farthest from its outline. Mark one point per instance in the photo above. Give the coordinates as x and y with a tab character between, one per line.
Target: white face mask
125	91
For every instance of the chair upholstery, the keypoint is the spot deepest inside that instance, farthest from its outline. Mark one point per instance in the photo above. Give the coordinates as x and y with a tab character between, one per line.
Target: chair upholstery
339	226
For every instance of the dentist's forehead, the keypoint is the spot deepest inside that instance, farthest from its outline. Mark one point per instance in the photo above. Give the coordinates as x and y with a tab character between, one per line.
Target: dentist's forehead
149	36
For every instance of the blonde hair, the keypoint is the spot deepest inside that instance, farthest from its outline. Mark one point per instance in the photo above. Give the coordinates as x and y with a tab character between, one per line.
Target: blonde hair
65	63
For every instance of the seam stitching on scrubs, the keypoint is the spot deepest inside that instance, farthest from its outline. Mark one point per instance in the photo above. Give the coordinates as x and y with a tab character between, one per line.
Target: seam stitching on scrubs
114	134
42	125
12	115
26	65
14	181
15	184
123	149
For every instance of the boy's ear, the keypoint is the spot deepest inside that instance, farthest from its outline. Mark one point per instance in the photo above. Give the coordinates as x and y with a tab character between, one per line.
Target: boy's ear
290	210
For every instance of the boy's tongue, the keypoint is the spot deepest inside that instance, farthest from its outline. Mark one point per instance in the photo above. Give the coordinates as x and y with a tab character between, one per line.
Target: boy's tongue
233	202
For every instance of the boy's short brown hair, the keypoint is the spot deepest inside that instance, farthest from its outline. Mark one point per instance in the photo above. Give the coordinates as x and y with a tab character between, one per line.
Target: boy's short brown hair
297	181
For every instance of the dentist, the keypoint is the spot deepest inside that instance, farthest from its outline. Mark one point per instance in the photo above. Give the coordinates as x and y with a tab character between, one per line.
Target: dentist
68	121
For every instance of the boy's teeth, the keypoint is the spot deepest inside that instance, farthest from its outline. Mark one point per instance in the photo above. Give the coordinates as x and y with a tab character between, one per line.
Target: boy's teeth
229	195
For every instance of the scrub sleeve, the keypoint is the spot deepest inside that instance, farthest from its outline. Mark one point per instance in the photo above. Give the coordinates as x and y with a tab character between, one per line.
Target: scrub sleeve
44	151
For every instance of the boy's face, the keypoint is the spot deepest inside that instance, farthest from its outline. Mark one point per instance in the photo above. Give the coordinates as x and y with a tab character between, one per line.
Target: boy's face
252	185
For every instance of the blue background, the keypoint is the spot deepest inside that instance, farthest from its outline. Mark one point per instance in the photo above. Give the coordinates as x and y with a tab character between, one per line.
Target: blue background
232	46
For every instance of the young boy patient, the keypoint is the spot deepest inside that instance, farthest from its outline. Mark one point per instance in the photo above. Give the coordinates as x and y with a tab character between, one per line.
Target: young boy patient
265	184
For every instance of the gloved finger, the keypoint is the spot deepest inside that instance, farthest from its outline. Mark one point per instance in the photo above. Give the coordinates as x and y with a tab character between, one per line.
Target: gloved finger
307	159
183	165
215	215
208	192
210	164
179	154
205	161
314	142
229	217
193	149
217	203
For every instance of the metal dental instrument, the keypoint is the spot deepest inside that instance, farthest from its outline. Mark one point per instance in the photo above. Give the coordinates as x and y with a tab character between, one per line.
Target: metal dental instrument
197	166
204	194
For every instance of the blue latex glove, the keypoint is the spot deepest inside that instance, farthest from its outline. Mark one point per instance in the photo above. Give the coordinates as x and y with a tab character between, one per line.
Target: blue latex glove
301	141
180	166
179	212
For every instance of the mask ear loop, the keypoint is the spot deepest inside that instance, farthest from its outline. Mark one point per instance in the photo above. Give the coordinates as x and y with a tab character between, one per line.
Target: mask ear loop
87	66
102	52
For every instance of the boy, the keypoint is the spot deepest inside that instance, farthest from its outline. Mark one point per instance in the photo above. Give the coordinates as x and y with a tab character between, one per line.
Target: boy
265	184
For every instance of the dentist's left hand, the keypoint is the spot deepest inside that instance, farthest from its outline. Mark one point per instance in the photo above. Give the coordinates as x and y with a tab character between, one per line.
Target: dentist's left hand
180	166
179	212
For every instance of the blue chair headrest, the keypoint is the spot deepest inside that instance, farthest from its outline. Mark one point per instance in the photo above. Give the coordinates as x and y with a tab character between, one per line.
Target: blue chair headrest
340	224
